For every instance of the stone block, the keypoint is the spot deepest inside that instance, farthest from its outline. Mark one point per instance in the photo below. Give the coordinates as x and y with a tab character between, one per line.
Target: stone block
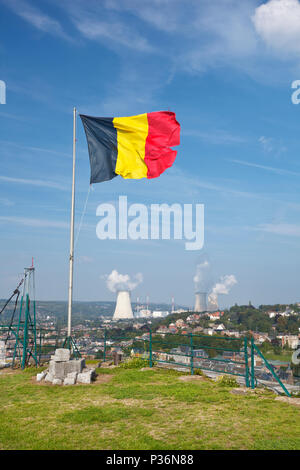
72	374
49	378
76	365
2	351
57	369
57	382
41	376
61	355
86	376
70	380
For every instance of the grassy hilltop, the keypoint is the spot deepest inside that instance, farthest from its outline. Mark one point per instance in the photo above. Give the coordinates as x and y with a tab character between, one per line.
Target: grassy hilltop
141	409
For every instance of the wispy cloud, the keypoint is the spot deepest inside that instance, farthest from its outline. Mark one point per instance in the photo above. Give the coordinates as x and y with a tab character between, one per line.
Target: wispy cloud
6	202
16	117
279	229
37	18
34	182
35	149
269	145
164	15
31	222
278	171
115	31
217	136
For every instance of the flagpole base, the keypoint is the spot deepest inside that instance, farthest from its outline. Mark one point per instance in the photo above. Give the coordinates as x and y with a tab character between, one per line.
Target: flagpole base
70	344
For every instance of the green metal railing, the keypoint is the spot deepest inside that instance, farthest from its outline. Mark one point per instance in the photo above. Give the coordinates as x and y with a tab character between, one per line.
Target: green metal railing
28	343
192	342
223	355
240	368
254	349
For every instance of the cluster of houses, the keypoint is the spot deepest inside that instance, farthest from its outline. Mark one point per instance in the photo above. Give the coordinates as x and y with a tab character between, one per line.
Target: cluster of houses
190	326
286	313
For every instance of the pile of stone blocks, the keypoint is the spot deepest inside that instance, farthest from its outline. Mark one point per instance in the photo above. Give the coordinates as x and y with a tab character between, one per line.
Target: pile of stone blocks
65	371
3	362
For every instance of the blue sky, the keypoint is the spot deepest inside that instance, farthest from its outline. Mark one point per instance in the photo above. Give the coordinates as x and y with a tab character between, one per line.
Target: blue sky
226	68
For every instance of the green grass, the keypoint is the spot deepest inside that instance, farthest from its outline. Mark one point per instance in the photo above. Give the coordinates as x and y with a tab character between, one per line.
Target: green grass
134	409
284	356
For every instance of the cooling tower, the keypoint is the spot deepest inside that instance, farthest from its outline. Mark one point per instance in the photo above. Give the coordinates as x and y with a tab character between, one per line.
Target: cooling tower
123	306
200	302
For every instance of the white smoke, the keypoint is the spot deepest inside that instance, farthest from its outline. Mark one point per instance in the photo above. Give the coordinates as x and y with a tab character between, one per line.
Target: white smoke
116	282
202	276
222	287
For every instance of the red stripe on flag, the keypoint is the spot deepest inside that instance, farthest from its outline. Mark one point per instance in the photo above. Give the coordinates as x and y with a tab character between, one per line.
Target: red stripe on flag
163	133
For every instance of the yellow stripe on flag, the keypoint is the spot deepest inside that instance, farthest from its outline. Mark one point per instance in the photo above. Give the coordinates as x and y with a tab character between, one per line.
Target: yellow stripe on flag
131	137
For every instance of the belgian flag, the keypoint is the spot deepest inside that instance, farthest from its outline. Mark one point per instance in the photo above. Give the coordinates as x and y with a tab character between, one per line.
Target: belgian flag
133	147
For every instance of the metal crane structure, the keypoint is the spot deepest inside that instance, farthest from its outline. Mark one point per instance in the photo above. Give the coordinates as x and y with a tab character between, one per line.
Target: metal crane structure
23	332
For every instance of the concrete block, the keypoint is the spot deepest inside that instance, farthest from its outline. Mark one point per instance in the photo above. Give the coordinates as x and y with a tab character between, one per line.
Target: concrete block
41	376
76	365
72	375
86	377
61	355
70	380
57	369
49	378
2	351
57	382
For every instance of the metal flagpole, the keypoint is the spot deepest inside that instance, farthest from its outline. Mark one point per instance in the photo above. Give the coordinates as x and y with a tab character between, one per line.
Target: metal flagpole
72	232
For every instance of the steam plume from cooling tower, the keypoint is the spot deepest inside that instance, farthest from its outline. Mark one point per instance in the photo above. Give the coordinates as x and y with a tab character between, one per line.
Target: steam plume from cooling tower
122	282
202	278
222	287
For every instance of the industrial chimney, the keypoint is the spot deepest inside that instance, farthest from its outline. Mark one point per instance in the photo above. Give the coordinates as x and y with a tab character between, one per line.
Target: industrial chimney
200	302
123	306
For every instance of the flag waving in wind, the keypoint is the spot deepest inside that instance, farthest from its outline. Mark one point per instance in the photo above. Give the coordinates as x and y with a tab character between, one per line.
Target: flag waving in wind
133	147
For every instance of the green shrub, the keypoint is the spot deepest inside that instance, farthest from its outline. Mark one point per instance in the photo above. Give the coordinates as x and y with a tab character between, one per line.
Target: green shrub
135	363
227	381
198	372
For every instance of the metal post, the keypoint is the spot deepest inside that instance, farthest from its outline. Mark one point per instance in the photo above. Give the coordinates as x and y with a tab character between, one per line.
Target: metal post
71	260
252	364
18	331
40	347
192	354
25	337
104	350
271	370
150	348
34	315
246	361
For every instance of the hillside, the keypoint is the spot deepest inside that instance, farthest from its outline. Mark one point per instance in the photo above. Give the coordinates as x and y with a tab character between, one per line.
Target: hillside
141	409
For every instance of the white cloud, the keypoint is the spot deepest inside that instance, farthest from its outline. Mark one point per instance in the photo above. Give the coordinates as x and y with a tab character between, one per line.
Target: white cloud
267	143
216	136
278	171
34	182
278	24
165	15
116	32
29	222
37	18
280	229
6	202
